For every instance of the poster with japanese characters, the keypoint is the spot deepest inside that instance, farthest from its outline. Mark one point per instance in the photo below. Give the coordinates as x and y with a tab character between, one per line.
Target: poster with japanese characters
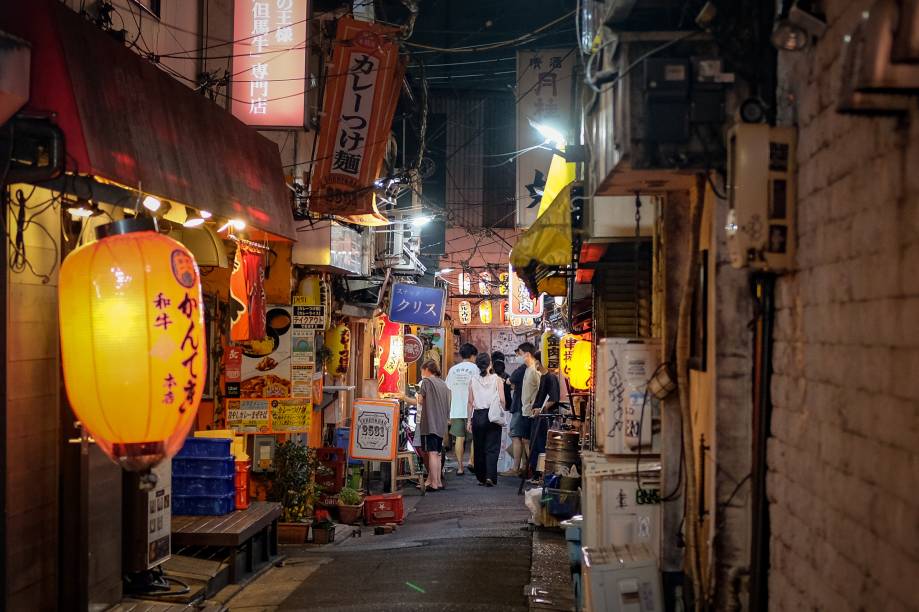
544	86
269	62
290	415
248	415
265	368
307	319
360	100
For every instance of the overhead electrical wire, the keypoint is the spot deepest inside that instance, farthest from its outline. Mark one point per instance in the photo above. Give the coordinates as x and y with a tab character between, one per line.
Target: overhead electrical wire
496	45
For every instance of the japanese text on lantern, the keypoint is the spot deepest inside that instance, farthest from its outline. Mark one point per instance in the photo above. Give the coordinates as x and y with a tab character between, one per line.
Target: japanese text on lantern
168	311
356	109
269	51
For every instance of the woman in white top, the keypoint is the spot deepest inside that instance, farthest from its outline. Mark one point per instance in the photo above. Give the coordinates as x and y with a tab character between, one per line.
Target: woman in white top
485	391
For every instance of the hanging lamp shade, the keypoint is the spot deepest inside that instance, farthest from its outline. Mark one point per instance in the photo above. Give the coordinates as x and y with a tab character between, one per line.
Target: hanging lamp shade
485	312
581	365
338	341
464	310
132	341
549	347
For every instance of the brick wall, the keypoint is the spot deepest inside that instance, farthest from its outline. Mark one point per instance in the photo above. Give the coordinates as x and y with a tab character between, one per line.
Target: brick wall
844	456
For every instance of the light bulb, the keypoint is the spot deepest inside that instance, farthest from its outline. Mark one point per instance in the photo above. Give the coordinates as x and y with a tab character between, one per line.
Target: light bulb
152	204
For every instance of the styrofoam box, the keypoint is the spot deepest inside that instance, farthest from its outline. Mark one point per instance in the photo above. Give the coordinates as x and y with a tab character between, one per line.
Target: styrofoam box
621	579
612	514
623	369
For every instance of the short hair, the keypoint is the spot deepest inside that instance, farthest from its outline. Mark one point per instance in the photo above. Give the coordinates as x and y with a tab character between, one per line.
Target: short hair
527	347
538	355
467	350
431	366
497	356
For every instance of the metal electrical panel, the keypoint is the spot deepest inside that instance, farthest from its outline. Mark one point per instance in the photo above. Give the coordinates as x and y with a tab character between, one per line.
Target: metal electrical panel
762	196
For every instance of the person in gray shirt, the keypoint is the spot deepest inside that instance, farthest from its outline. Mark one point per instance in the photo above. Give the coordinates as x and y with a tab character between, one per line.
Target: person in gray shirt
434	407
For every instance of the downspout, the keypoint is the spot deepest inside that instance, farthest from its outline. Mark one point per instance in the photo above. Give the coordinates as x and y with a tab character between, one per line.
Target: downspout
763	286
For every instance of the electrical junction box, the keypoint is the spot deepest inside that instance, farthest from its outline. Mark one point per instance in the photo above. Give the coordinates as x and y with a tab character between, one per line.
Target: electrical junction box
762	196
621	579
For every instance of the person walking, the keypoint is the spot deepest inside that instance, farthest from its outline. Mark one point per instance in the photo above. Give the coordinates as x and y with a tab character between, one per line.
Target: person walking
458	381
433	402
546	402
485	393
525	380
498	367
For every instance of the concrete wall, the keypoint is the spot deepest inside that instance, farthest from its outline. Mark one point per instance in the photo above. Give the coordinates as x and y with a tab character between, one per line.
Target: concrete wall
844	457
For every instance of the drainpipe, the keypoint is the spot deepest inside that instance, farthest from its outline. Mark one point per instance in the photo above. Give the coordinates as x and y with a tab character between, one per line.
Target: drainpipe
763	286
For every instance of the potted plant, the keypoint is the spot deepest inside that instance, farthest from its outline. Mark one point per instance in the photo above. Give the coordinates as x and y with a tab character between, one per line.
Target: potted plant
350	505
324	532
294	486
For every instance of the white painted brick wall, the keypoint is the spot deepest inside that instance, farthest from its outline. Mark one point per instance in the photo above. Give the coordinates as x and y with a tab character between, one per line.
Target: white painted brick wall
844	456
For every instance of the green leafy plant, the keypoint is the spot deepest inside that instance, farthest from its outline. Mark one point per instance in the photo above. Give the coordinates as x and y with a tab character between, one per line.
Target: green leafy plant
294	483
349	497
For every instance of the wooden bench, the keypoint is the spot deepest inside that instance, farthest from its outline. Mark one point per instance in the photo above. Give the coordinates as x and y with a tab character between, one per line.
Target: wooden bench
250	535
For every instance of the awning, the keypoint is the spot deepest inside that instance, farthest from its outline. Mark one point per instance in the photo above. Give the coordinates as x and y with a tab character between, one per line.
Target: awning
128	122
545	248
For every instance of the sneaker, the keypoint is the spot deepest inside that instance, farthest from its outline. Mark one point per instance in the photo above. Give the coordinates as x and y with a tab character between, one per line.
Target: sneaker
489	483
509	473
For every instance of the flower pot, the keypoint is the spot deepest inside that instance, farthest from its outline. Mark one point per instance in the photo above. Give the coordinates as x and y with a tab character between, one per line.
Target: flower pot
323	535
350	514
293	533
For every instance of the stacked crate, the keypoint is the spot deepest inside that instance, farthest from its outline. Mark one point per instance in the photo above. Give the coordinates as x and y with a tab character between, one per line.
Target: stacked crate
334	460
203	475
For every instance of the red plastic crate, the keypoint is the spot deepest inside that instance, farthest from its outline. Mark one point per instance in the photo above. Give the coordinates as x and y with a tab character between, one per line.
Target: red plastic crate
382	509
332	458
330	454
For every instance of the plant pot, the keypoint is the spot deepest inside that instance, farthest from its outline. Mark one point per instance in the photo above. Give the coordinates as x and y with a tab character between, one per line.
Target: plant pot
323	535
293	533
350	514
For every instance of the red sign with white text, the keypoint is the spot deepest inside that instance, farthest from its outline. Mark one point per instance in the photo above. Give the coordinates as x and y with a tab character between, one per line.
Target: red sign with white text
522	304
360	99
269	62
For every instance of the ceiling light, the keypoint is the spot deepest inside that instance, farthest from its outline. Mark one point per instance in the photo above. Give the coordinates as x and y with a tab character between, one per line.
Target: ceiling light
152	204
193	219
237	224
551	134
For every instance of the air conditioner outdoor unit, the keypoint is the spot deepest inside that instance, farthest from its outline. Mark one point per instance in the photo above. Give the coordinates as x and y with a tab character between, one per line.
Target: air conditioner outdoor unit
762	196
397	248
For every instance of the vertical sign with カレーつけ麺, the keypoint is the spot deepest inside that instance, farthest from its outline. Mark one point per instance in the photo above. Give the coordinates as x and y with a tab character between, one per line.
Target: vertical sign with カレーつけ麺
290	415
269	62
308	319
374	431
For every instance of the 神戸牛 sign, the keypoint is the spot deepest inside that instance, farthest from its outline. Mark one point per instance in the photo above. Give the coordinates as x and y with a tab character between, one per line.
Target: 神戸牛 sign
522	304
360	98
269	62
417	305
374	431
544	80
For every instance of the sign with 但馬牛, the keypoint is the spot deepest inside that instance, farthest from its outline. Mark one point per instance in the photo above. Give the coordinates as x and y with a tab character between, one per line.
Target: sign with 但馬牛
374	430
417	305
361	93
269	61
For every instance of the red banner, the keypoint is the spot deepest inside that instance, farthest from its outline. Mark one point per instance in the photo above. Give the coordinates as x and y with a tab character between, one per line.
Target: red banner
390	353
362	90
247	296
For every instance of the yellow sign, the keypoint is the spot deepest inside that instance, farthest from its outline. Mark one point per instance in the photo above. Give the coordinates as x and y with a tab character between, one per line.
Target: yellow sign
289	415
249	415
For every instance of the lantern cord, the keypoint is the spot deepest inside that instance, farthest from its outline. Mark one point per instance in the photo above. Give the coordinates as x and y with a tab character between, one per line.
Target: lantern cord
19	260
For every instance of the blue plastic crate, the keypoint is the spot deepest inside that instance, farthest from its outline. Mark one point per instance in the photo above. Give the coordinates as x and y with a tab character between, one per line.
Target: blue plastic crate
561	503
203	505
193	485
343	440
204	467
217	448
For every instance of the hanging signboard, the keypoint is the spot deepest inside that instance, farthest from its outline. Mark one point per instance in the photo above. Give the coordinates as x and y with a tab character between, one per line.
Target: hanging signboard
544	83
269	62
412	348
417	305
374	431
390	356
522	304
360	99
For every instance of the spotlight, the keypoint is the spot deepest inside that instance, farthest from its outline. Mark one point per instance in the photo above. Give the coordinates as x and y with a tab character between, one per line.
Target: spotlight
551	134
193	219
236	224
152	204
420	221
795	25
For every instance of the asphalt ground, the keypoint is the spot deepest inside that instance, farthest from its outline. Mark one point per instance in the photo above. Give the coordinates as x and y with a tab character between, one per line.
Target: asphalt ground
464	548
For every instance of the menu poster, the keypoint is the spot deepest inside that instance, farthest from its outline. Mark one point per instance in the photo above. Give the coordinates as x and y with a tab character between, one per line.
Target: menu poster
303	363
248	415
290	415
265	370
374	431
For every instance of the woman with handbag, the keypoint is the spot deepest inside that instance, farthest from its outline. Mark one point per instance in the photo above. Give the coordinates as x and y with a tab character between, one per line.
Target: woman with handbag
486	420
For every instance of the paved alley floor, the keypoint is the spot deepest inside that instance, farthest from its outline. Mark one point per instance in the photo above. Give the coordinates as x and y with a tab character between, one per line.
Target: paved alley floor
464	548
